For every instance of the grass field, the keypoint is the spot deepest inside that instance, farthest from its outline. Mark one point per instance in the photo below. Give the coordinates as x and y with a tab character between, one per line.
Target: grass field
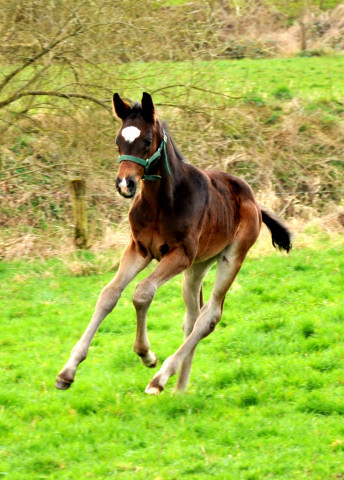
266	397
314	78
231	81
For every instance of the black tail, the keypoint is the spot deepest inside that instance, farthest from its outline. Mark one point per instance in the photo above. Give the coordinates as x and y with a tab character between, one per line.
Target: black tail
281	237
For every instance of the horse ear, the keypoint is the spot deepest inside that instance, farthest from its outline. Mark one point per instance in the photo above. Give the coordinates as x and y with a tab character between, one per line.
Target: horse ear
148	109
121	108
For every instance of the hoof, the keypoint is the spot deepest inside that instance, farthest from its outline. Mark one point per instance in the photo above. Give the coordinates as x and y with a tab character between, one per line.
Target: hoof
153	388
150	360
153	362
62	384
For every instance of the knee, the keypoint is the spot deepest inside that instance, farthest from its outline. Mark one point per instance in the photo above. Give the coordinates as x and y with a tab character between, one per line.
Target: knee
216	317
144	294
210	327
210	323
213	322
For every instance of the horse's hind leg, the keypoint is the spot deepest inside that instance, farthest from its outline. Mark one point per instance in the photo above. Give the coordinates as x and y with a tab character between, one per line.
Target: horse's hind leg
131	264
192	290
229	263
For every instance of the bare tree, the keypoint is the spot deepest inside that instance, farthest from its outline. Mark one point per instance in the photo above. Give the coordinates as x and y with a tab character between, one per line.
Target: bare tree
45	59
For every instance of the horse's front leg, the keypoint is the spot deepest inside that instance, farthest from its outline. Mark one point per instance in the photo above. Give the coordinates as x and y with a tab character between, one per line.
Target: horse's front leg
131	264
172	263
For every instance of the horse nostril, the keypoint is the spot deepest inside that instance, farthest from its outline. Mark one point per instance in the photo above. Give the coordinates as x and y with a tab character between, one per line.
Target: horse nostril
130	185
118	181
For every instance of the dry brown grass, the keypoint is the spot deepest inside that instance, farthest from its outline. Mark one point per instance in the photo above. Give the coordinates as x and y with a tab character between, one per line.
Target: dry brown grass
261	29
291	163
107	252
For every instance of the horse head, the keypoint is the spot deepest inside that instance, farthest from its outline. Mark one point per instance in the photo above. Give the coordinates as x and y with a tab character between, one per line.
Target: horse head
141	143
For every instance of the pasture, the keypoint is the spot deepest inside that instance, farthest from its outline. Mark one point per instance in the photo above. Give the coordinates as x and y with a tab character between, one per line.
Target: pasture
312	79
266	395
265	399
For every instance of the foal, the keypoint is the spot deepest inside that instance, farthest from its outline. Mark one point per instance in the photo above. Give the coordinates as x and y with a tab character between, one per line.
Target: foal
186	219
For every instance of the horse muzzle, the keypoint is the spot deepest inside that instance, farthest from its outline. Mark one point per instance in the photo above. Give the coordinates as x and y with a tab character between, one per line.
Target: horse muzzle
126	186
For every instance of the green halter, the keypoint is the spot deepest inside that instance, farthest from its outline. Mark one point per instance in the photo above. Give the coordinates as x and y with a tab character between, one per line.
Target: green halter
150	162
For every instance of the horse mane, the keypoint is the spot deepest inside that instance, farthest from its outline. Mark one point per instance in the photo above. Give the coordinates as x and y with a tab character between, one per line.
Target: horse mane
136	110
175	148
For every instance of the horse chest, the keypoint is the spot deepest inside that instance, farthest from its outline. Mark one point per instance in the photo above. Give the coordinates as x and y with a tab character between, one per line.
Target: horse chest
151	242
156	233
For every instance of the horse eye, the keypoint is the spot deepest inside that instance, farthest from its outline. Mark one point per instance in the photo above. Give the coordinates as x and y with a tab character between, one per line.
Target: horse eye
148	142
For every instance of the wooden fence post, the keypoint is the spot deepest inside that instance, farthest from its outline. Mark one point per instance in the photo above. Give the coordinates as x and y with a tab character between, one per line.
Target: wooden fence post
303	30
77	189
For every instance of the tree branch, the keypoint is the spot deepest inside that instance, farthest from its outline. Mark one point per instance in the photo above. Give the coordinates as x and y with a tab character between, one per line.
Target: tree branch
33	59
52	93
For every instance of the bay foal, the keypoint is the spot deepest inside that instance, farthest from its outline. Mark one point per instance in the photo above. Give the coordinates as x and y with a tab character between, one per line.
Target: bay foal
186	219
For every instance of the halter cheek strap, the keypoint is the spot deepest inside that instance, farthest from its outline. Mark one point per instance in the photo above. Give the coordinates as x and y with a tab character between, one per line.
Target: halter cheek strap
151	161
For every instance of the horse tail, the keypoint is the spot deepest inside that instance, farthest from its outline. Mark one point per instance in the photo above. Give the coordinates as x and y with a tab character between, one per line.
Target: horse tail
281	237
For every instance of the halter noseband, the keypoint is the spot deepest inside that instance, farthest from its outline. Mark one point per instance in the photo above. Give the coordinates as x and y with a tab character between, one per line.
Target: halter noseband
151	161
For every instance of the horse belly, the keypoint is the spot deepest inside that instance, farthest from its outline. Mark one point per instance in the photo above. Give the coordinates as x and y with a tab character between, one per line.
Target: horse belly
213	242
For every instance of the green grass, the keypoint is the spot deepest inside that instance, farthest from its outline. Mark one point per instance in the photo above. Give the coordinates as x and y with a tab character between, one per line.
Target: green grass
268	79
266	395
314	78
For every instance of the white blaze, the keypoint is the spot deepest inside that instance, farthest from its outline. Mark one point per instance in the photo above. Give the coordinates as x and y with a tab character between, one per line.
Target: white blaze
130	133
123	183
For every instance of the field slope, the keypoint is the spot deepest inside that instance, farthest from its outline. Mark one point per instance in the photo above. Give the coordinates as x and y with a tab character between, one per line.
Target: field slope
266	397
